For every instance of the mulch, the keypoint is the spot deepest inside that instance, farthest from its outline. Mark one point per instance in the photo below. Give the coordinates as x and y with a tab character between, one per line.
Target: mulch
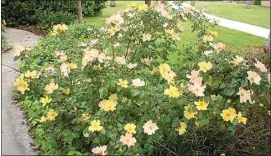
34	29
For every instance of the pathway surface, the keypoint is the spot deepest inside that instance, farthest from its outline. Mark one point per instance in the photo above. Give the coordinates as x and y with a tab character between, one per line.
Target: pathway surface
15	140
244	27
235	25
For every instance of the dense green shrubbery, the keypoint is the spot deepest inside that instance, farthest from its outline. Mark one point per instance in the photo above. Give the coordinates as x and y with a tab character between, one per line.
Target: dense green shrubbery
115	90
90	7
49	18
257	2
19	11
55	11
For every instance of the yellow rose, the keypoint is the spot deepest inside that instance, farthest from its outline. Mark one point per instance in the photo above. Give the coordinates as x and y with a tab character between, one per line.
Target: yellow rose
205	66
228	114
130	127
95	126
45	100
123	83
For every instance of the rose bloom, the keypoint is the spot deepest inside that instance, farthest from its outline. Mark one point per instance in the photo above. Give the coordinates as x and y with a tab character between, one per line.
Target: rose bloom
245	95
59	53
260	66
201	105
18	49
95	126
205	66
241	119
131	65
31	75
63	58
173	34
229	114
169	76
120	60
101	150
165	25
50	68
159	7
164	68
208	52
214	33
189	113
147	60
49	88
237	60
65	69
146	37
207	38
112	30
131	128
123	83
51	115
197	88
194	76
150	127
91	54
220	46
128	139
253	77
101	57
138	83
172	92
182	128
109	105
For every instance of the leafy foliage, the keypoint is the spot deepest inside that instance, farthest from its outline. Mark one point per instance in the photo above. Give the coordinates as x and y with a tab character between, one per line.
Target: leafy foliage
31	12
48	18
257	2
4	44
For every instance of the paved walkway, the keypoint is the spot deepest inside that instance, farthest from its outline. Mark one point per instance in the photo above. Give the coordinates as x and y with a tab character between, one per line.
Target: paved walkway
15	140
235	25
244	27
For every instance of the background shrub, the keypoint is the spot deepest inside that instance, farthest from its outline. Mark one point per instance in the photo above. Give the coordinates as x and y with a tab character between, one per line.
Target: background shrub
61	11
49	18
90	7
257	2
19	11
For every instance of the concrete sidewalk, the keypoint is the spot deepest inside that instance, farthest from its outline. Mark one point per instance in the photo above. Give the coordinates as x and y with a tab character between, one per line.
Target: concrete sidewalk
15	140
244	27
235	25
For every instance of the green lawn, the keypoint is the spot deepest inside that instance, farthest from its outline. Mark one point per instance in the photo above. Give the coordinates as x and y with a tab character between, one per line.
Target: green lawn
235	40
256	15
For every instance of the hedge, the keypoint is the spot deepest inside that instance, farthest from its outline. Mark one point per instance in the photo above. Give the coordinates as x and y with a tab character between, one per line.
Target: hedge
28	12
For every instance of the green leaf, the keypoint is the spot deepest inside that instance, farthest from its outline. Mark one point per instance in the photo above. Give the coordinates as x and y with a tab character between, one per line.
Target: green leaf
204	121
229	91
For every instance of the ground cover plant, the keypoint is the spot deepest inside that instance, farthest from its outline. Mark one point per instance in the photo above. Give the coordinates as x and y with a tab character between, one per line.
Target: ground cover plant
115	90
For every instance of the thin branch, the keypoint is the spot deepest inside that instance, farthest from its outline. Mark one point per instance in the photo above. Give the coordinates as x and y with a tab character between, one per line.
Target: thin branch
165	148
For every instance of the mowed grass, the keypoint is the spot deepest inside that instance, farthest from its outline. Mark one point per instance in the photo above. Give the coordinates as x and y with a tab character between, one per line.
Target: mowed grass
256	15
236	41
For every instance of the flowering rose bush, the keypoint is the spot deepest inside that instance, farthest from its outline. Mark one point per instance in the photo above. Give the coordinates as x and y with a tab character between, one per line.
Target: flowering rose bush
118	92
